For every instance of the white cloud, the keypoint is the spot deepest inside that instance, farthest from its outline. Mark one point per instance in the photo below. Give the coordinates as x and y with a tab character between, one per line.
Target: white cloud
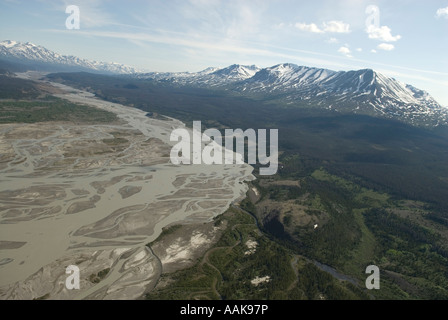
442	13
336	27
359	49
280	25
382	33
345	51
386	46
373	51
183	40
327	27
308	27
246	21
333	40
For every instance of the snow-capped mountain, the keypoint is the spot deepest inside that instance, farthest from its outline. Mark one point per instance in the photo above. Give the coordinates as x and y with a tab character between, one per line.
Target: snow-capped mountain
362	91
210	77
236	72
42	58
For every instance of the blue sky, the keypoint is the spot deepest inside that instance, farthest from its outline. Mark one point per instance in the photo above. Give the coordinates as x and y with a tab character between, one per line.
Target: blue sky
405	39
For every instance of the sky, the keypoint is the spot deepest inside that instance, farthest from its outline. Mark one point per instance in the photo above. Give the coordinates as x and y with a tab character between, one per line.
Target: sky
403	39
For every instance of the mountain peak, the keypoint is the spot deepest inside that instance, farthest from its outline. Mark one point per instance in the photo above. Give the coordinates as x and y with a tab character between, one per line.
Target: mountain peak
8	43
284	66
237	72
208	70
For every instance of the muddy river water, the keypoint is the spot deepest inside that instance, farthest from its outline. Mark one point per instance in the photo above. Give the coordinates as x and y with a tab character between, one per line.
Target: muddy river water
93	196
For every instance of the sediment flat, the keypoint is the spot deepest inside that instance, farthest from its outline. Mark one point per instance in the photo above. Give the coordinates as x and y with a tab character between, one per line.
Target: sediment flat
93	196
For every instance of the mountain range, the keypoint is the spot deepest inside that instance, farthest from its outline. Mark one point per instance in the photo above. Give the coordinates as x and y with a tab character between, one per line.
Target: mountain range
360	92
41	58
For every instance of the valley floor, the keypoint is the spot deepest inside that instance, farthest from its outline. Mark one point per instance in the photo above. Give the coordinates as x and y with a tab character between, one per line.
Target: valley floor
93	195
